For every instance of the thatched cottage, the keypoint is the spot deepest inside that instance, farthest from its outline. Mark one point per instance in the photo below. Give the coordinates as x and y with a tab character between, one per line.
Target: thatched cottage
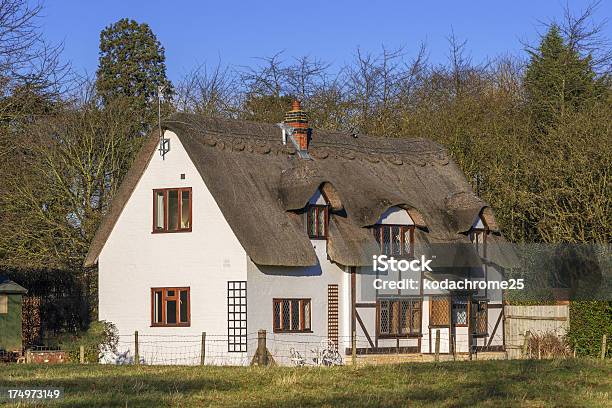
228	227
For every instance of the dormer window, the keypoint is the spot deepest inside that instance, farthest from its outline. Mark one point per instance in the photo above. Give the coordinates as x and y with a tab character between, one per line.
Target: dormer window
317	216
478	236
316	221
394	232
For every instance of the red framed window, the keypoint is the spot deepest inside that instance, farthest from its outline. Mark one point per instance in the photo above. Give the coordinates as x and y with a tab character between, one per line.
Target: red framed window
291	315
317	217
172	210
397	240
170	307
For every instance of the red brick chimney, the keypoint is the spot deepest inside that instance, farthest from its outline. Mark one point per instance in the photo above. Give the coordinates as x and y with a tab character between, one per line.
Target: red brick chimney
297	119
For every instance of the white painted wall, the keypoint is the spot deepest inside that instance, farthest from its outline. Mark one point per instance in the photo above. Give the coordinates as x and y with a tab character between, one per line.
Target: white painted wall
134	260
268	282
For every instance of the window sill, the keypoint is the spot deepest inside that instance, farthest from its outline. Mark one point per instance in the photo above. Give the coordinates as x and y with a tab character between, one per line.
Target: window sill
401	336
292	331
170	232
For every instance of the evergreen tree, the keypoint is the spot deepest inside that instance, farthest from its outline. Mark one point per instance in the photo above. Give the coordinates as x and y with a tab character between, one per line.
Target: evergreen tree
557	79
132	65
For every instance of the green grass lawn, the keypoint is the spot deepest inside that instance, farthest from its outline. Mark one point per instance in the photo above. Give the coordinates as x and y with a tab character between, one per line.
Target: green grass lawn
520	383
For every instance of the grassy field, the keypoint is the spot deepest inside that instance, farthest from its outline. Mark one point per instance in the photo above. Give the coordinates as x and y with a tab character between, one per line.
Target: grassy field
562	383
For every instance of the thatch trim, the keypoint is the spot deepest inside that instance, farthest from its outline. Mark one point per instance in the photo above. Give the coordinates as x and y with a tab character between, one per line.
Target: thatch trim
141	161
489	219
332	196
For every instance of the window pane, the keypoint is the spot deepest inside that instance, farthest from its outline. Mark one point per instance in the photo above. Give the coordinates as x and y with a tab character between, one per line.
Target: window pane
415	317
321	222
185	207
295	315
277	321
183	306
170	293
396	237
171	312
404	317
312	221
159	210
173	208
384	317
460	310
285	315
386	237
157	307
3	304
407	234
306	315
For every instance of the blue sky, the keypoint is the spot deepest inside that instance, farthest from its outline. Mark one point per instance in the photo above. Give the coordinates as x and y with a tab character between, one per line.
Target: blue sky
236	32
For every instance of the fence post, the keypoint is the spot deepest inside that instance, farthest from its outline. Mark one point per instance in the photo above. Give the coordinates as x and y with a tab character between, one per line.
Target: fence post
82	354
28	356
136	351
203	349
354	348
262	354
437	344
604	346
453	344
526	343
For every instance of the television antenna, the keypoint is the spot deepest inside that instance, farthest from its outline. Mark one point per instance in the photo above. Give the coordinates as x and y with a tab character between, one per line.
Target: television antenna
288	134
164	144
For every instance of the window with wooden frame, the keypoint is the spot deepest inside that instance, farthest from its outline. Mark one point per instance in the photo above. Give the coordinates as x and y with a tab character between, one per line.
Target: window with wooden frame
3	304
479	315
399	317
396	240
478	236
170	307
291	315
317	218
439	311
172	210
460	310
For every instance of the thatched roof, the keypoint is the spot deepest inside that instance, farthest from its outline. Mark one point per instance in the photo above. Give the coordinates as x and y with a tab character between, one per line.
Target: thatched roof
260	186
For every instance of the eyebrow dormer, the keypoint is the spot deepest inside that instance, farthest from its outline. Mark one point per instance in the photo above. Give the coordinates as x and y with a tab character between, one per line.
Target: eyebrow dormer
317	216
394	232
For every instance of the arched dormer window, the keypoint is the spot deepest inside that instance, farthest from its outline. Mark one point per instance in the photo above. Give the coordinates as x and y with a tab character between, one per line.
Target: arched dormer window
394	232
478	235
317	216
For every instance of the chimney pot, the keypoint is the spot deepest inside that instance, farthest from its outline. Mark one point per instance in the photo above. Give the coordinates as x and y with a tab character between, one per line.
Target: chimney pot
297	119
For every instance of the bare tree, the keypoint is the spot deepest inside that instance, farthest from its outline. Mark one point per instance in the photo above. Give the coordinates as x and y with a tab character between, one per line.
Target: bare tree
208	91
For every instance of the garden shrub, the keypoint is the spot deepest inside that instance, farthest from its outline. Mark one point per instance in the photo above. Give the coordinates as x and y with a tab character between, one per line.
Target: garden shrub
589	321
101	335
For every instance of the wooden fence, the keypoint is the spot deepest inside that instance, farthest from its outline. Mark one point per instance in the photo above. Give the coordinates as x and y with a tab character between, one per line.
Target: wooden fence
536	320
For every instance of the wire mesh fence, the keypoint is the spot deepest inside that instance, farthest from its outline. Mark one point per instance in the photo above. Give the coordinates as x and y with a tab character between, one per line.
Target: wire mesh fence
309	349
